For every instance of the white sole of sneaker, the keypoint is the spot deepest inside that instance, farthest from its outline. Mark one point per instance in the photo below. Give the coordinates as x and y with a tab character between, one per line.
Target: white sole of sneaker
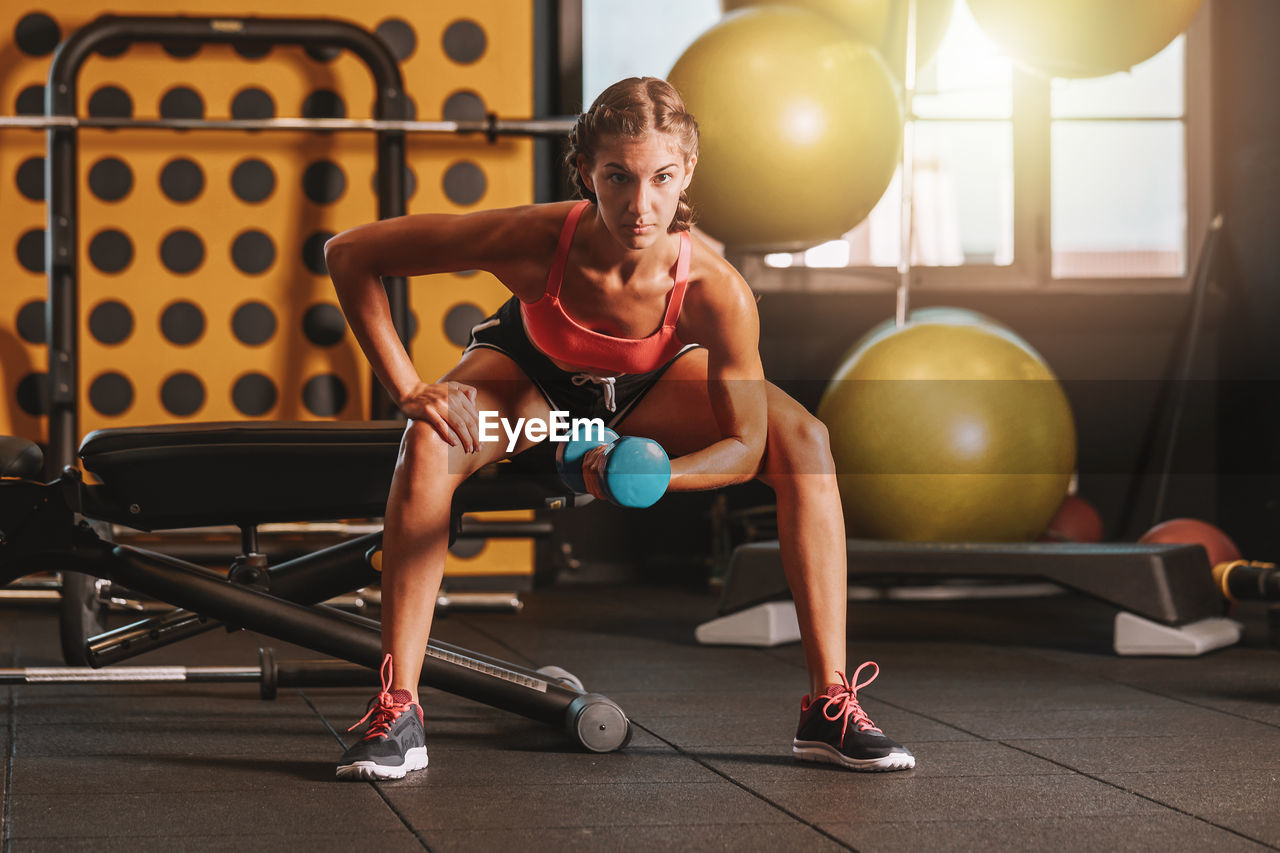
369	771
815	750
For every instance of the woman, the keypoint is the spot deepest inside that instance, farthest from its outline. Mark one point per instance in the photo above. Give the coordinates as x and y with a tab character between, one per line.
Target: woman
591	282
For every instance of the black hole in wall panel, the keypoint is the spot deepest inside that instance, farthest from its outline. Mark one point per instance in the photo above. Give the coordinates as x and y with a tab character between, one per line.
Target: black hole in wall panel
254	394
253	252
324	182
464	183
324	325
464	106
30	178
110	179
253	103
36	34
111	394
33	394
324	103
467	549
31	250
252	51
182	323
110	322
181	50
111	250
410	183
182	251
399	36
253	323
31	322
30	101
313	252
464	42
459	322
182	394
182	102
110	102
323	54
253	181
324	395
112	47
182	180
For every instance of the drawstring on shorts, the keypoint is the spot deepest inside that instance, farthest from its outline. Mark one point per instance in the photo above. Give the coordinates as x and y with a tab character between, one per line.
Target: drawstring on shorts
608	383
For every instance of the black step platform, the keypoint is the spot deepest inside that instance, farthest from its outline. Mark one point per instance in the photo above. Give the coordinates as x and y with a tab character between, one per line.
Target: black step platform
1171	584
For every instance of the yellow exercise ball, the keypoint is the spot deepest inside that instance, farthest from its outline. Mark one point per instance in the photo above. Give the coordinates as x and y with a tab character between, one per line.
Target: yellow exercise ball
879	23
944	314
948	432
800	124
1083	38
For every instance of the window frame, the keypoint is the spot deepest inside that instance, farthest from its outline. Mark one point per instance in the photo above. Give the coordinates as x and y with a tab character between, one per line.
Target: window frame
1031	269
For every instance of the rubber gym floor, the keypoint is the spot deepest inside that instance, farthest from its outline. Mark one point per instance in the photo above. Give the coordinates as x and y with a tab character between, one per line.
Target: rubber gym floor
1030	734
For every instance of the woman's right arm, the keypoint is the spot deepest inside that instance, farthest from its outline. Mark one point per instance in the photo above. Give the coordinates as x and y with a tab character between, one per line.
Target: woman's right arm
497	241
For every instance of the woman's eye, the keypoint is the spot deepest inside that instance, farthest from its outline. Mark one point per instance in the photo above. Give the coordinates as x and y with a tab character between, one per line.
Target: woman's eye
663	178
617	178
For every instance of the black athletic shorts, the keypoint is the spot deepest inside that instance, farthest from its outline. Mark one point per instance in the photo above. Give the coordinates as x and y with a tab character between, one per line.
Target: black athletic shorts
582	395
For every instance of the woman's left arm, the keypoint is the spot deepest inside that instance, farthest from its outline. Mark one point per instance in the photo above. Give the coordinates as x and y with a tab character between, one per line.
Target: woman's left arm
720	313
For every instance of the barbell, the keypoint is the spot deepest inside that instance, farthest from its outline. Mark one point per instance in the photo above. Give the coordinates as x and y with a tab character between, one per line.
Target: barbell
491	126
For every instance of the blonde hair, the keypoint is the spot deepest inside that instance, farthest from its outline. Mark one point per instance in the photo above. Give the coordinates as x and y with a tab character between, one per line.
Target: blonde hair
629	108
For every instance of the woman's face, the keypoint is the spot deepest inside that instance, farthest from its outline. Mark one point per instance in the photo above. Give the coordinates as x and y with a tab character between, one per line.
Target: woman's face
638	181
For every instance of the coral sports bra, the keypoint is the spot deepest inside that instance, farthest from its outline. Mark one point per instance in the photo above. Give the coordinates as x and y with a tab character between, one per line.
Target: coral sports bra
560	337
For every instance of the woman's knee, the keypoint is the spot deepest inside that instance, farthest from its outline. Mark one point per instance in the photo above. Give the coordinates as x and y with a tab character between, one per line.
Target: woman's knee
424	455
798	443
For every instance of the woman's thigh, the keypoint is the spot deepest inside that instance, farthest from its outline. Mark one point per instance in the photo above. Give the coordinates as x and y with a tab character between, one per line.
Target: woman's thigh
676	412
504	392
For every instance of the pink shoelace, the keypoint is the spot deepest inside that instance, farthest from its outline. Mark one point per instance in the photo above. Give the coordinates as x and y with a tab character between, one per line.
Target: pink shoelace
842	701
385	708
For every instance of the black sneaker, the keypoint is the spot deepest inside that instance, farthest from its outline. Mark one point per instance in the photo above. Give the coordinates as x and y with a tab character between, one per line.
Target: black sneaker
825	735
395	742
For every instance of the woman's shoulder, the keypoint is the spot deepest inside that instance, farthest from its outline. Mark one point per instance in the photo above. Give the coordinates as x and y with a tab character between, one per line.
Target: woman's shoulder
716	291
710	275
534	220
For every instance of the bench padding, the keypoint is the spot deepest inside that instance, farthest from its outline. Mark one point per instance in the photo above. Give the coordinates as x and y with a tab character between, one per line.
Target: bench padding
188	475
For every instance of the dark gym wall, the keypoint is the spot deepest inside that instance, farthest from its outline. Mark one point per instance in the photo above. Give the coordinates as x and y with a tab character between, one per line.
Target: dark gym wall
1246	65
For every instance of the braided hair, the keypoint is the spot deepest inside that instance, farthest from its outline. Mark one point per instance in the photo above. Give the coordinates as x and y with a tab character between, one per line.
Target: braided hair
629	108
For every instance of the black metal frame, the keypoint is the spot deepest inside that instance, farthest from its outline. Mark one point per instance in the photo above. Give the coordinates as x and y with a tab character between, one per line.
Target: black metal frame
62	162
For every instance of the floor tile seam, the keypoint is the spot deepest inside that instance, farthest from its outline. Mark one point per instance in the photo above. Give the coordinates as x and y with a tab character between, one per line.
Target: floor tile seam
524	660
754	793
1150	799
1171	697
6	782
376	786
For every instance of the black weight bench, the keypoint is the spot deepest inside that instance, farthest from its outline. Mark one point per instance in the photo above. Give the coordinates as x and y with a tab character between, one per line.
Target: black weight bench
246	474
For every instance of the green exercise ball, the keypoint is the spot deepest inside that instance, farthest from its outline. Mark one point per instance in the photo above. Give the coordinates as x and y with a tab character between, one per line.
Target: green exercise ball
800	124
1083	38
948	432
879	23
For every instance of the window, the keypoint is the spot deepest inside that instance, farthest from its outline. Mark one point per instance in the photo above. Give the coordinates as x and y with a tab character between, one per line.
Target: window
1020	181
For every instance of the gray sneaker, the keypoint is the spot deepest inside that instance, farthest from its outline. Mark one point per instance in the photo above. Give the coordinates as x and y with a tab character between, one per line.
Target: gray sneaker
834	729
395	742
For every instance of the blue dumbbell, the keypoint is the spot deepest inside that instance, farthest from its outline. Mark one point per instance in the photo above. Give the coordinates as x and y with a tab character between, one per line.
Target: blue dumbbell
637	470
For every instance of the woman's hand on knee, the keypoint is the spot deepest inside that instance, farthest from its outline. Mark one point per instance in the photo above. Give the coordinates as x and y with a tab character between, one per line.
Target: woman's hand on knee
450	409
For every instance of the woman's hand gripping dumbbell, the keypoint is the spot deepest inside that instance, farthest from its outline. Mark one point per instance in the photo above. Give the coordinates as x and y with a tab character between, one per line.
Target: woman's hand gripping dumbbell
627	471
